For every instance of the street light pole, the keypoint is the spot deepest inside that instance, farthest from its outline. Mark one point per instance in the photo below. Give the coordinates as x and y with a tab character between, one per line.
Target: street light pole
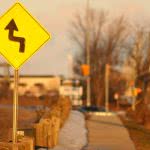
88	53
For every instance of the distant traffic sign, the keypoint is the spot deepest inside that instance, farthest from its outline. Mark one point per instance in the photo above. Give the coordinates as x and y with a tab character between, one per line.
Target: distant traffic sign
20	35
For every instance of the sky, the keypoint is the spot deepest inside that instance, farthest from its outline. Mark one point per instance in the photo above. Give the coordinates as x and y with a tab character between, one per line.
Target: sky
55	16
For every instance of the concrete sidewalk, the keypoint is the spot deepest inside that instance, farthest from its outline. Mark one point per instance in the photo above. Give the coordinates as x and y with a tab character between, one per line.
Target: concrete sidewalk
108	133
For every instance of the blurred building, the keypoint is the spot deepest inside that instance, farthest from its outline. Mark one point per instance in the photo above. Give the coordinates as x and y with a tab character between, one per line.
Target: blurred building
35	85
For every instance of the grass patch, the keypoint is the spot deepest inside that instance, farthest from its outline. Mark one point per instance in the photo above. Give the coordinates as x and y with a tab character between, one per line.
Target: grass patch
139	135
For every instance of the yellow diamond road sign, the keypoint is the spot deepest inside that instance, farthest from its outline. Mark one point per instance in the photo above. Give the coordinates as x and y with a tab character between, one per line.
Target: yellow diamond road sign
20	35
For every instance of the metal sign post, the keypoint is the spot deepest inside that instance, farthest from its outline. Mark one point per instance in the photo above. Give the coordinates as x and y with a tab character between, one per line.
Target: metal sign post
15	106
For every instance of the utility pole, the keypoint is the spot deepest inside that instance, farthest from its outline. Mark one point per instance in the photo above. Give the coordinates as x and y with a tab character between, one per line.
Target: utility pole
88	52
107	72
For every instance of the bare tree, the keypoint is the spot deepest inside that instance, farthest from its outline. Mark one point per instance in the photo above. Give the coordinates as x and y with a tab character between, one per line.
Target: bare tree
107	39
78	34
139	53
146	63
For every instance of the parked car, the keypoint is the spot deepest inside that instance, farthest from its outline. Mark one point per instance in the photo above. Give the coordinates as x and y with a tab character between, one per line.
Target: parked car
91	109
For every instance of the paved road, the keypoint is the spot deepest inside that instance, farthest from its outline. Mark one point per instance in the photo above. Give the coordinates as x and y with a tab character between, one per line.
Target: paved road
108	133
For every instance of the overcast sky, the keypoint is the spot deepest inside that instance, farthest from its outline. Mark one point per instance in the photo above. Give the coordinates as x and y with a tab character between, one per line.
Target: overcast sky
55	16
